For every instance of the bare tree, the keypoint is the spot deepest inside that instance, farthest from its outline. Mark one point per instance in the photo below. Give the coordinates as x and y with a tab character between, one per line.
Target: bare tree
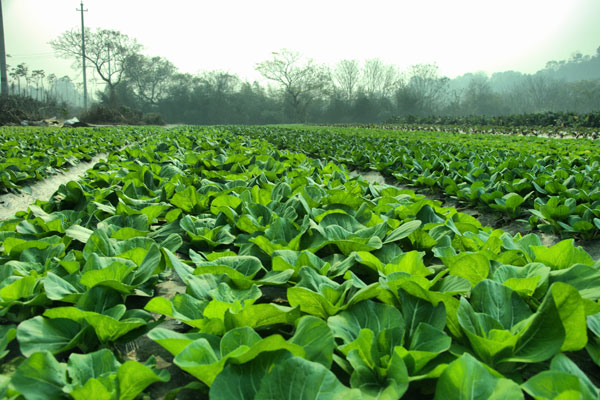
392	80
107	51
301	80
372	76
544	93
346	75
427	86
379	79
66	90
15	77
219	82
585	95
28	79
149	77
50	79
218	89
38	75
21	71
480	98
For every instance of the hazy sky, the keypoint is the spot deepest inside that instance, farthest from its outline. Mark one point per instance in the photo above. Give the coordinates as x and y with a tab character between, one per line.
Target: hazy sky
230	35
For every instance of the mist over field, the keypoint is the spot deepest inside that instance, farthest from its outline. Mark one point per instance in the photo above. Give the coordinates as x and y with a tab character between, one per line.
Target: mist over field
327	63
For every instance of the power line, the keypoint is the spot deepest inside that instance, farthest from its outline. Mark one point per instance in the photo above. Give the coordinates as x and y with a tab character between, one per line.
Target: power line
31	54
48	56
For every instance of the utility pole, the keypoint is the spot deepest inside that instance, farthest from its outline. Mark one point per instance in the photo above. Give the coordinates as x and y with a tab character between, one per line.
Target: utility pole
85	98
3	77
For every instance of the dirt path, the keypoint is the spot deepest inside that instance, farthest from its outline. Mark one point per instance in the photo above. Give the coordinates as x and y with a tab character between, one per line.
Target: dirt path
486	219
11	203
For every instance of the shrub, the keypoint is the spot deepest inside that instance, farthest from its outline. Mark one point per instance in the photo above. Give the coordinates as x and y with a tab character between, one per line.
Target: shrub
153	119
101	114
14	109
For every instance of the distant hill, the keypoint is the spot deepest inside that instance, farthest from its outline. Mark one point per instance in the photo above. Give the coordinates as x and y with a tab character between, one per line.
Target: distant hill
578	68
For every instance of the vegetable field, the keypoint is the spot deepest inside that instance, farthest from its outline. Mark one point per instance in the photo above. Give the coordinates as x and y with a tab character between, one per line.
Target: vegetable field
30	154
553	184
259	272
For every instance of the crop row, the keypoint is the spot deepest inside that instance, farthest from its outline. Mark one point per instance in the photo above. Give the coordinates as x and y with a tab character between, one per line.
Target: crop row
541	131
29	153
543	119
553	183
300	283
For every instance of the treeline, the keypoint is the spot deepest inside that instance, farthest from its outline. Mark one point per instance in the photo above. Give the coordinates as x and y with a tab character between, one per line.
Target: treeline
361	92
298	89
36	84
